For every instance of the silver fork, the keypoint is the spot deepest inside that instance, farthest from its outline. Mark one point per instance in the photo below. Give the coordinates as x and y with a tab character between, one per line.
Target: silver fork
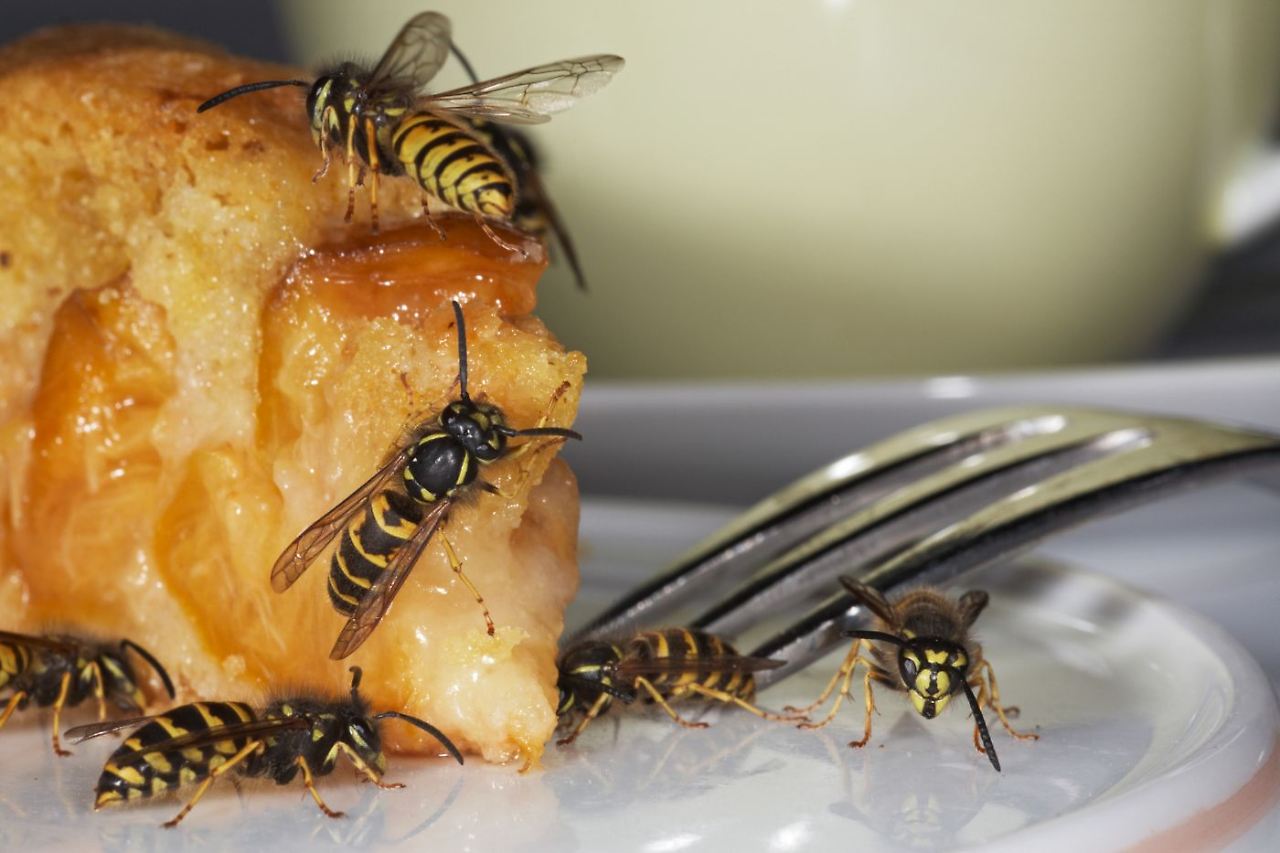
924	506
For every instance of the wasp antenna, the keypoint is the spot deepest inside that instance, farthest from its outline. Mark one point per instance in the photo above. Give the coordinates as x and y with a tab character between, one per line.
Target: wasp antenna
462	348
246	89
426	727
982	726
356	674
152	662
466	63
875	635
560	432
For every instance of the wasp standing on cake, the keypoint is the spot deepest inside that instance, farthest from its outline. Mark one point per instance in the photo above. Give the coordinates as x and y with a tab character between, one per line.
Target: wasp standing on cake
382	117
388	521
935	660
204	740
63	671
660	666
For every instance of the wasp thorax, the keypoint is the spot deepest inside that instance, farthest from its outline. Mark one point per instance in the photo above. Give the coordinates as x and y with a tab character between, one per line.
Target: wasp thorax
475	425
932	671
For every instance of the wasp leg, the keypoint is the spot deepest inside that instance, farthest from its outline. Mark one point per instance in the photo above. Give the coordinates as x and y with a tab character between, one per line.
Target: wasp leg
99	691
311	788
328	120
249	749
456	565
371	143
57	713
364	768
544	441
592	713
426	214
845	671
662	703
493	235
989	695
730	699
14	701
351	170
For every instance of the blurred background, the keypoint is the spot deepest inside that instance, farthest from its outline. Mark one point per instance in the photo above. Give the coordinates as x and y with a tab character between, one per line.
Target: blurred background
850	188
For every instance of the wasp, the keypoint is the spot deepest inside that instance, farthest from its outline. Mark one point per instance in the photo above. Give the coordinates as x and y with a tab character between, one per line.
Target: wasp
62	671
205	740
661	666
383	119
934	660
388	521
534	212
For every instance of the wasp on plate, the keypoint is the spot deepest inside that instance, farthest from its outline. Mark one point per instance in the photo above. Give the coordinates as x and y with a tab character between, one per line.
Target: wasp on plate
935	659
534	211
63	671
204	740
388	521
383	117
660	666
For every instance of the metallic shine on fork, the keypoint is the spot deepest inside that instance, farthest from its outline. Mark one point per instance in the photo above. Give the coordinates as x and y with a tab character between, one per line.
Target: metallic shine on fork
924	506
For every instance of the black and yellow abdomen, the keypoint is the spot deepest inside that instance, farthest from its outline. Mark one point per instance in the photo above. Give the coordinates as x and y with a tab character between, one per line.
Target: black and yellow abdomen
370	541
132	773
675	644
455	167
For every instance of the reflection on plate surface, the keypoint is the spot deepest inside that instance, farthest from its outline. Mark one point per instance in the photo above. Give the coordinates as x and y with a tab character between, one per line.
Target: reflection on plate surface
1126	749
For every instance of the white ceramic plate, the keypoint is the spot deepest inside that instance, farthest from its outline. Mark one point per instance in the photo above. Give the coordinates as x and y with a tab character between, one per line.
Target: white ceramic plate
1152	720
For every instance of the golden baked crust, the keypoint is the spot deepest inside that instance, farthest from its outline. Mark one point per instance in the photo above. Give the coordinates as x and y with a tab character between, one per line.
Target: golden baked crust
200	358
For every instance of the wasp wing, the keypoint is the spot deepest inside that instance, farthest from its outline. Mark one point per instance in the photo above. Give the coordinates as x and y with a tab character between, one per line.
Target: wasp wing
80	734
302	552
250	729
415	55
37	642
533	95
377	601
700	665
872	598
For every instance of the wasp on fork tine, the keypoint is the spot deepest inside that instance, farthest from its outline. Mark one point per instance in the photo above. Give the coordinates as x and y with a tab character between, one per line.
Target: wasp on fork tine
388	521
205	740
935	659
660	666
383	118
60	670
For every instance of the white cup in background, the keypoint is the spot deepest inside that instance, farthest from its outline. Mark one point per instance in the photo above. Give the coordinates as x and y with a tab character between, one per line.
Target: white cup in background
875	186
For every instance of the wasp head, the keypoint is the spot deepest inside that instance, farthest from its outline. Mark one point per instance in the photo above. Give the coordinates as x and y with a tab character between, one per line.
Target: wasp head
586	671
933	671
479	427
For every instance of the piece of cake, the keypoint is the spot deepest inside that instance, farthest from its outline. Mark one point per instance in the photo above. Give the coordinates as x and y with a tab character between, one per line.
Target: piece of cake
201	358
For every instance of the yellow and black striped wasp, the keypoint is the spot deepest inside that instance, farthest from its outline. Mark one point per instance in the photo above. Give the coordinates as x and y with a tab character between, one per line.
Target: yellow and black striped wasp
534	211
662	666
383	118
62	671
205	740
388	521
934	659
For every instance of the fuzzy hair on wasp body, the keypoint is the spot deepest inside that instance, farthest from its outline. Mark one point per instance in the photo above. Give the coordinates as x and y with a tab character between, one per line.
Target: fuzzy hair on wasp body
386	523
62	670
383	121
200	742
933	658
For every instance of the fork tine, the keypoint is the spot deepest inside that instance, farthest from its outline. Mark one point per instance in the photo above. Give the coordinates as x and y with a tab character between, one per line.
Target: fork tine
812	503
1145	458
